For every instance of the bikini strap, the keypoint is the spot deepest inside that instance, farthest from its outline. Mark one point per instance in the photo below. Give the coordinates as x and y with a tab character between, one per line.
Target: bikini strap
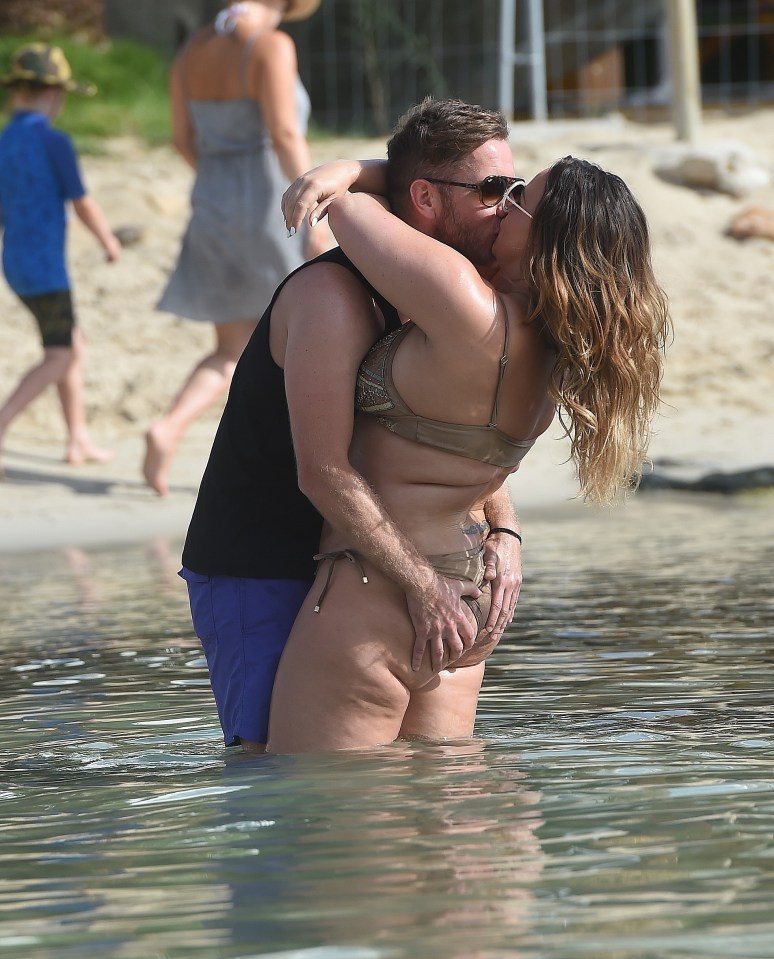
334	557
500	378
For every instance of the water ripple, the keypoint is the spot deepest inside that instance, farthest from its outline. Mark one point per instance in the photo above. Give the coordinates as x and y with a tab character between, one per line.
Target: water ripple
617	801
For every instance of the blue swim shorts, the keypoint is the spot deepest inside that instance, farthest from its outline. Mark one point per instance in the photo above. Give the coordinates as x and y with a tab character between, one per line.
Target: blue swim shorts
243	625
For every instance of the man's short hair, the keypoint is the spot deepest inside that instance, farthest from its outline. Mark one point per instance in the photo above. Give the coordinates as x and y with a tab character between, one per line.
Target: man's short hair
433	138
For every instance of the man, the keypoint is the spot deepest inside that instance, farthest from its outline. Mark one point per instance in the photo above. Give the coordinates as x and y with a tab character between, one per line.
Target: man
280	459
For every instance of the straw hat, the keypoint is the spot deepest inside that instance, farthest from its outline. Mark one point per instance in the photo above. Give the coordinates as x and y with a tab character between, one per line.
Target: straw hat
39	63
300	9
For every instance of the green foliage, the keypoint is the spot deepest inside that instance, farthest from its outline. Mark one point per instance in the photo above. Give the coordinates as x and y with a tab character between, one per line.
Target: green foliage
131	80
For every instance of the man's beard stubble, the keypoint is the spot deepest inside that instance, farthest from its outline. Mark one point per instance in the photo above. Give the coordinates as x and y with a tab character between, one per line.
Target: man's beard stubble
464	240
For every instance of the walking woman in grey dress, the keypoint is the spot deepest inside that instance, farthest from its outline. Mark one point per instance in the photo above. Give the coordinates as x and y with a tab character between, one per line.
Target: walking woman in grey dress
239	116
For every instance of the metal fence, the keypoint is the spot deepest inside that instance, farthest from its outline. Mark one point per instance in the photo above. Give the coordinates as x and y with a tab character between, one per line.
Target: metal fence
366	61
736	50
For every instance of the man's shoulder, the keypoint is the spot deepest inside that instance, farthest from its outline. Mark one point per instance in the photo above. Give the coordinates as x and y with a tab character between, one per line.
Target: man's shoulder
331	272
327	298
330	293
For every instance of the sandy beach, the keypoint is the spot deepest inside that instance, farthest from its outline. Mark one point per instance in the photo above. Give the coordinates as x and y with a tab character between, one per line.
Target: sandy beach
718	385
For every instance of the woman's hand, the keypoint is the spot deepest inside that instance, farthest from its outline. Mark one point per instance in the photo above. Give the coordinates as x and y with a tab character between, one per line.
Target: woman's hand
502	562
310	195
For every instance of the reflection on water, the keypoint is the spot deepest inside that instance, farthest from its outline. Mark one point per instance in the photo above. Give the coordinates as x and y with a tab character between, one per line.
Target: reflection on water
617	803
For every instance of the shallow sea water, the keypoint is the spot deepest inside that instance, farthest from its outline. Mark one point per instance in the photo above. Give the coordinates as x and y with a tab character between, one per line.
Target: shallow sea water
617	801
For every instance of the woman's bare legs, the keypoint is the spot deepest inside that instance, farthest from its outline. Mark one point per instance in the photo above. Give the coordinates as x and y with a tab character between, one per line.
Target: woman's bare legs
207	383
345	680
336	686
445	708
63	366
354	697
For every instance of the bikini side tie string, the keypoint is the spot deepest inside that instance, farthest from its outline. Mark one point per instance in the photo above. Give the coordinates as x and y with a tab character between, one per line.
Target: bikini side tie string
334	557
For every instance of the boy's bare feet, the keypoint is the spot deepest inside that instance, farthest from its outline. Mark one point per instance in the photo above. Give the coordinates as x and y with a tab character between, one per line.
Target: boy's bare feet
86	452
159	450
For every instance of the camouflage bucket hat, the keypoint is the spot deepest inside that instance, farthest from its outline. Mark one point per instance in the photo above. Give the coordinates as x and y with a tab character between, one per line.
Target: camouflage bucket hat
39	63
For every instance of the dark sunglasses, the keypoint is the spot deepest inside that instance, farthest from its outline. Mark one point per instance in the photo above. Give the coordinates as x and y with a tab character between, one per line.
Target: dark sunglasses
491	189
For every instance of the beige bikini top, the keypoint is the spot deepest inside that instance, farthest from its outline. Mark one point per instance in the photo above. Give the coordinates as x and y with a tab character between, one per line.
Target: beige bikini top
376	395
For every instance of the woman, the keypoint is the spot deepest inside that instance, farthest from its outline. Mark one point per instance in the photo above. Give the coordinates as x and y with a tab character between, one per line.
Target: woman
449	404
239	114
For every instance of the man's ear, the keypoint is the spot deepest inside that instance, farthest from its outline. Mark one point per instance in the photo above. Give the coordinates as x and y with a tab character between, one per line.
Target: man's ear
424	200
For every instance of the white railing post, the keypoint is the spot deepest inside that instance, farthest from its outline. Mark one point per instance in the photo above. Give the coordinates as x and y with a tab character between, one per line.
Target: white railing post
537	43
507	57
684	68
535	59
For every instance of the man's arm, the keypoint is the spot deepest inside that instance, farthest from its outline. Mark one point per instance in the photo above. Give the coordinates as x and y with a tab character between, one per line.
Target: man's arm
502	559
331	323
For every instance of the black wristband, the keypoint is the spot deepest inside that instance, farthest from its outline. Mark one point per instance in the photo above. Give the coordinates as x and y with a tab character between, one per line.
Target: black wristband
504	529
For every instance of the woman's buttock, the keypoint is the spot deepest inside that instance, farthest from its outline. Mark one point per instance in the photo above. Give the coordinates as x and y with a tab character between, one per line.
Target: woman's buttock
353	608
358	617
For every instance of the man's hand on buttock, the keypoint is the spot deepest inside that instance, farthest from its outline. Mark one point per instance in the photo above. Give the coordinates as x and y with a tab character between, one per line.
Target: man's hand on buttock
443	624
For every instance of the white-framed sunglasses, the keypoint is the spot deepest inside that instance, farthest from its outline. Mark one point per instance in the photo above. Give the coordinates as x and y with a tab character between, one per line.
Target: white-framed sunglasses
512	198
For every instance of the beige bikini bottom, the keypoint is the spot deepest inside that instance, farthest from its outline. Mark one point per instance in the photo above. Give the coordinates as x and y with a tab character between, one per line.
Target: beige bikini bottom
464	565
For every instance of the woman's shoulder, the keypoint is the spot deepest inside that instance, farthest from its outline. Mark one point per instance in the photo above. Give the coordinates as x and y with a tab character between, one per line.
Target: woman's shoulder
270	53
272	43
193	41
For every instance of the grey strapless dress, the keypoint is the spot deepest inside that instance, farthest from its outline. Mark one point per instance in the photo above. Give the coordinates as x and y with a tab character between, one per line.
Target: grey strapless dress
236	250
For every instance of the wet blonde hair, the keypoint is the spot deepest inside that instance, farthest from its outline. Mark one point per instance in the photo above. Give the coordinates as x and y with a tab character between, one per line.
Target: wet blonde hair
596	296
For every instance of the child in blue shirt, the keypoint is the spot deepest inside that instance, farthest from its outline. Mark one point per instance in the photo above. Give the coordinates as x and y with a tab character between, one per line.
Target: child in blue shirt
38	175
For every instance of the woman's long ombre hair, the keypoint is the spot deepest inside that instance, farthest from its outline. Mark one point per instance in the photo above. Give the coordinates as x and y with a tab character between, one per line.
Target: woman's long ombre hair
598	301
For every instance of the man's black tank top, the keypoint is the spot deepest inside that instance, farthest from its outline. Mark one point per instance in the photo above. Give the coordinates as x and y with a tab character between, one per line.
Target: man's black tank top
250	519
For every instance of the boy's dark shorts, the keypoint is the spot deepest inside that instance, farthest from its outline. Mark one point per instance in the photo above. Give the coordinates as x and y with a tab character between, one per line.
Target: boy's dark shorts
55	317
